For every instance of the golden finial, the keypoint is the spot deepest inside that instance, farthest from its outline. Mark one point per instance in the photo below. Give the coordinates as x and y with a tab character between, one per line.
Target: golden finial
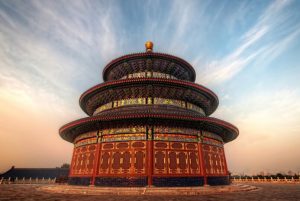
149	46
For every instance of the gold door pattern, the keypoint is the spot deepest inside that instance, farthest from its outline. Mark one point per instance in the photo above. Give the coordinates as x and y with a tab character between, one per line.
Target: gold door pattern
172	158
119	158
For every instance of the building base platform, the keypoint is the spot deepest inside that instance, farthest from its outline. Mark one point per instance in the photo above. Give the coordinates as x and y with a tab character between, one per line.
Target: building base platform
143	181
92	190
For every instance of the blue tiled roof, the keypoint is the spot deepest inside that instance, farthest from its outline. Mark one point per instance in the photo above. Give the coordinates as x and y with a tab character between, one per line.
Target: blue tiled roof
35	173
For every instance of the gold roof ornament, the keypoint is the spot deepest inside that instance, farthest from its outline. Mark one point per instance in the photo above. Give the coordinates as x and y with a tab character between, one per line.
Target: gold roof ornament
149	46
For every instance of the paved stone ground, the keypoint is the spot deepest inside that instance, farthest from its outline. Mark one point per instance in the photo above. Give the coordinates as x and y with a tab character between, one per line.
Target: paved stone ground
174	191
266	192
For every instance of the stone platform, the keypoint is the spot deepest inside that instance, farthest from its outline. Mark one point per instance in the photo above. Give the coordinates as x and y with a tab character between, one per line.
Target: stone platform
91	190
46	192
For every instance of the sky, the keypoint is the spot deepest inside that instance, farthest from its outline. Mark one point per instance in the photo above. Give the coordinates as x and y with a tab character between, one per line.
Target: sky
247	52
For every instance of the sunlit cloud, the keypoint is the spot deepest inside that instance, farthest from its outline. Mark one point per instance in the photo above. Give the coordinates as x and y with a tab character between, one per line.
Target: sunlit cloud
269	131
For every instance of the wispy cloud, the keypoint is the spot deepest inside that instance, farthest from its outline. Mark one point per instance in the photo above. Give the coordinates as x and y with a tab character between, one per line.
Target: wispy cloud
254	45
273	50
49	43
48	50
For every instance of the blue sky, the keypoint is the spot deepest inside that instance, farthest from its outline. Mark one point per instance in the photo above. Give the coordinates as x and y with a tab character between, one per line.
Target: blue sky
245	51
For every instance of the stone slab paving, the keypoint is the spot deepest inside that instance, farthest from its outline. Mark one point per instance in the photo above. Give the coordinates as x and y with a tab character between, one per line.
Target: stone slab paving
66	189
265	192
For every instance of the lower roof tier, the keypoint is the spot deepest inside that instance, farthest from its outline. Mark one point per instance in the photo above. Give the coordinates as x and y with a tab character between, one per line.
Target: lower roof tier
225	130
148	87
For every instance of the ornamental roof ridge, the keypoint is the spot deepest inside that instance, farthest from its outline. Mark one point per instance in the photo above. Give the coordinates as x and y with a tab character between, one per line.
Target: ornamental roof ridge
150	53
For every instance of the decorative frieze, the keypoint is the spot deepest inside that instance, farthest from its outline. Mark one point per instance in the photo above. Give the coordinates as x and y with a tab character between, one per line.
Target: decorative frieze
123	137
144	101
210	141
175	137
188	131
135	129
212	135
87	141
85	135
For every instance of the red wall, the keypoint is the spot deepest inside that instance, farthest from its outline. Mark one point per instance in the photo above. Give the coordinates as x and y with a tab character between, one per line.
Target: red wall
131	159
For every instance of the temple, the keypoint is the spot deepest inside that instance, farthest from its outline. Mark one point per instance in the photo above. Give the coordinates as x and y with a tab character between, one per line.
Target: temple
35	173
148	124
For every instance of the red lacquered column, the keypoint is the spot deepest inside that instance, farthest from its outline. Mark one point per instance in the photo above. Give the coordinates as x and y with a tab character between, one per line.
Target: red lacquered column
225	163
149	161
201	160
150	156
72	162
97	159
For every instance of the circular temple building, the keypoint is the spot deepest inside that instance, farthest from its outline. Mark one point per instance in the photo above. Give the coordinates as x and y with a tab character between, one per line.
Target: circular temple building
148	125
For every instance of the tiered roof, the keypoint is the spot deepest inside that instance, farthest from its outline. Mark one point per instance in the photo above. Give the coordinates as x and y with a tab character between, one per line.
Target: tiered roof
179	86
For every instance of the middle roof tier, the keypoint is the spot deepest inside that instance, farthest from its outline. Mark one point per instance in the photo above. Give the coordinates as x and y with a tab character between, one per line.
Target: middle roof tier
117	90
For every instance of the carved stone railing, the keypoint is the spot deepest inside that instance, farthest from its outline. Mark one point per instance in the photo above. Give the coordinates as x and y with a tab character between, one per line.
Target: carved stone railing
27	181
266	179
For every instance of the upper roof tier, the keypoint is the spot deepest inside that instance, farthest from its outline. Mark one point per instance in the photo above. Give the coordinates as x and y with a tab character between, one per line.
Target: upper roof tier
149	62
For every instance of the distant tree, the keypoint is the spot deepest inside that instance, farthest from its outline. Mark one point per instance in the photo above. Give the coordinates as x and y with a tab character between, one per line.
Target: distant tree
65	165
279	175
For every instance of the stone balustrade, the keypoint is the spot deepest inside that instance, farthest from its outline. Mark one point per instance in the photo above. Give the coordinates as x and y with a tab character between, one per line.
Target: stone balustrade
265	179
234	180
27	181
